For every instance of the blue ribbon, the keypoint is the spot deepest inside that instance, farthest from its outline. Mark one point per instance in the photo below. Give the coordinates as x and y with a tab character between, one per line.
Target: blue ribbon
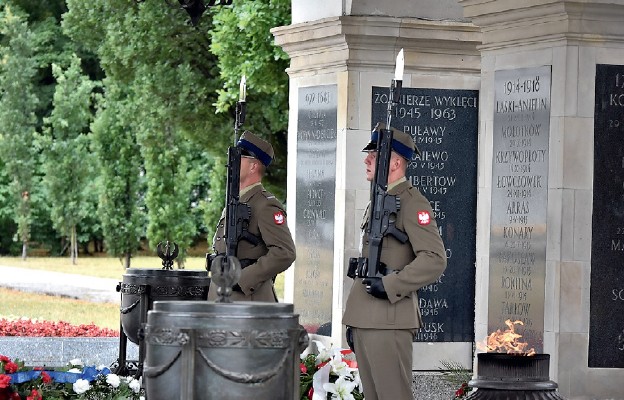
88	373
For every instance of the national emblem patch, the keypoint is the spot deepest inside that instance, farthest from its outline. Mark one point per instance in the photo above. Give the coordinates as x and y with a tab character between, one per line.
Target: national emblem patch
424	218
279	218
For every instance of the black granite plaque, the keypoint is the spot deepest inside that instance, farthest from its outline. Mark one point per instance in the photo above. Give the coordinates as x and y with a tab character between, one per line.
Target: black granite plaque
606	327
519	202
316	190
444	125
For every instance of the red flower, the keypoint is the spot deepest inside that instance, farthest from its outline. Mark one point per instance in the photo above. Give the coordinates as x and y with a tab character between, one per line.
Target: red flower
34	395
52	329
45	377
4	358
310	393
303	368
10	367
4	381
15	396
461	392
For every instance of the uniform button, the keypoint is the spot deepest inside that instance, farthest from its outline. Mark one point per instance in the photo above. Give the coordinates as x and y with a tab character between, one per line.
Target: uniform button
252	290
218	238
398	295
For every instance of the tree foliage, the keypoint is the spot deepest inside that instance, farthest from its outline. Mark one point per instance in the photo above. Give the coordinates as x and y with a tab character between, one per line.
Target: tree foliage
67	161
243	43
165	117
18	105
120	164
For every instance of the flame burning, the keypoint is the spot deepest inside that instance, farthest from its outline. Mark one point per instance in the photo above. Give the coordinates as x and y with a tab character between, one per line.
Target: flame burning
506	342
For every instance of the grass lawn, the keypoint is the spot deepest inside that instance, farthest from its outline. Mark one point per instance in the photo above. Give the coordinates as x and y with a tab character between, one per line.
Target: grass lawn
56	308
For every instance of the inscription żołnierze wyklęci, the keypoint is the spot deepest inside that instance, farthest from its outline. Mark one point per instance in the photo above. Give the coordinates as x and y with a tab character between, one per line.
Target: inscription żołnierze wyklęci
444	125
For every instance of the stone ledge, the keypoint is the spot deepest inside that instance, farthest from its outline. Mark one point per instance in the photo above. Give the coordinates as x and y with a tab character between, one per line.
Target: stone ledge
58	351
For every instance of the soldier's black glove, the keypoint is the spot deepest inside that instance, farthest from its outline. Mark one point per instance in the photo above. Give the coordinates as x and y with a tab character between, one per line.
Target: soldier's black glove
237	288
209	259
375	287
349	335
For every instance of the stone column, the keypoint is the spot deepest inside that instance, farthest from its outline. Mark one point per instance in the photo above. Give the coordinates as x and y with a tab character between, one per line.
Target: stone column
562	44
339	51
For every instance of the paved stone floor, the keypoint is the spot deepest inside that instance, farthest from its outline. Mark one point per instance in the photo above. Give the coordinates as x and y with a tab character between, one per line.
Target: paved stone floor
75	286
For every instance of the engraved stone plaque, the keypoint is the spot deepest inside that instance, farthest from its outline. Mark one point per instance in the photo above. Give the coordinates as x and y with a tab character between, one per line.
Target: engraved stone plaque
521	132
444	125
606	323
316	190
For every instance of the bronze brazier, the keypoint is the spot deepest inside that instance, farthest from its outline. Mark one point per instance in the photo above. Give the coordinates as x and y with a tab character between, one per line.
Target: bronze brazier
140	288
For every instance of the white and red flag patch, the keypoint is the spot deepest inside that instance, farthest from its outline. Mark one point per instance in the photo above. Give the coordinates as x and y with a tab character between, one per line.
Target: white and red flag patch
279	218
424	218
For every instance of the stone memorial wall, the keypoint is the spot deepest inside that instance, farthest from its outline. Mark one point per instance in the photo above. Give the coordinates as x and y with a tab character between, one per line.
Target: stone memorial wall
444	125
521	132
316	191
606	331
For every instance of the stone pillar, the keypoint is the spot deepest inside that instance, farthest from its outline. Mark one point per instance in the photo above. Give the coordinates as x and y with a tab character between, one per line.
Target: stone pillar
339	51
576	276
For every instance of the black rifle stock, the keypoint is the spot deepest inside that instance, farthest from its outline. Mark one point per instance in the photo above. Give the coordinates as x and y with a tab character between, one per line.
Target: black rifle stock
237	214
383	206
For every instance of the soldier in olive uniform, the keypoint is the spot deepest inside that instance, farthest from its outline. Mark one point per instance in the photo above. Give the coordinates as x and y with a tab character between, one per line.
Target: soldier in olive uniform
275	250
382	314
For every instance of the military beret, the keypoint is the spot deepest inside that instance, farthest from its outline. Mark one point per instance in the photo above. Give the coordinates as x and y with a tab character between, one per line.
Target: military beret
402	143
253	146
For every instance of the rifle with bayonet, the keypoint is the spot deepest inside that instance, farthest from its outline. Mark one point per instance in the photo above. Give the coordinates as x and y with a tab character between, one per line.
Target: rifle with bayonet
237	214
383	207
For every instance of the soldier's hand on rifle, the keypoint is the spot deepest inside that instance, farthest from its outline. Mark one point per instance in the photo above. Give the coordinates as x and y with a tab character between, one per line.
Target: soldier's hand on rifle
375	287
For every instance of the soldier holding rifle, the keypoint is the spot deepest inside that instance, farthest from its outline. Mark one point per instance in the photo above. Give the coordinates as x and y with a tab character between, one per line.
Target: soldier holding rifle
253	225
401	252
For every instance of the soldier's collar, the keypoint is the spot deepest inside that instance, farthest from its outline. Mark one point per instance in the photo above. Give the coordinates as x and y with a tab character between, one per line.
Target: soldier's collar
396	183
248	188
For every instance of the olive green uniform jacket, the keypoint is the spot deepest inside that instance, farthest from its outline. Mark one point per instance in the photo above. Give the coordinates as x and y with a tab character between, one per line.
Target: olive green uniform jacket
274	253
418	262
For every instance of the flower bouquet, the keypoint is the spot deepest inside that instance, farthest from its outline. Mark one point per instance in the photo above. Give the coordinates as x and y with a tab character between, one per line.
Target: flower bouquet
75	382
330	374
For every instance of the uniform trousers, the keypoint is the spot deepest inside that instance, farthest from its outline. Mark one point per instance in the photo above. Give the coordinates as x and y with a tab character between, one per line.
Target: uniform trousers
384	358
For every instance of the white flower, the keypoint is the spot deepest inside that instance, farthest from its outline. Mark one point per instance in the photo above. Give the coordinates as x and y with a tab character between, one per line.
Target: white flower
113	380
341	389
135	385
101	367
76	362
75	371
324	353
320	378
81	386
339	367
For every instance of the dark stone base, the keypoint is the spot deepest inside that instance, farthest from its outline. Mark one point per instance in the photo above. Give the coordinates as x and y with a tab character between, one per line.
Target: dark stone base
491	394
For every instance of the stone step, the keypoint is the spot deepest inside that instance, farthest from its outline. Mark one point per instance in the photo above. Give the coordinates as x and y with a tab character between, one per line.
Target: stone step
58	351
